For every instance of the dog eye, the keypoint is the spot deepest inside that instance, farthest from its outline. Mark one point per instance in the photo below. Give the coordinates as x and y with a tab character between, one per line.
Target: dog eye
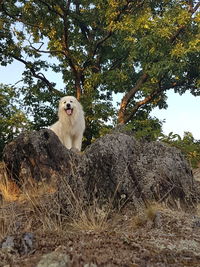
64	102
71	101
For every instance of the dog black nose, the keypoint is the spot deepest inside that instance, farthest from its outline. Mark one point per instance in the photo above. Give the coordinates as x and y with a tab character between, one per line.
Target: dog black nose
68	105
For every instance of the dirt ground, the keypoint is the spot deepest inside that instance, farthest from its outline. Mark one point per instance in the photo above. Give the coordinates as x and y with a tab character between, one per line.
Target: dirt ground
157	236
161	237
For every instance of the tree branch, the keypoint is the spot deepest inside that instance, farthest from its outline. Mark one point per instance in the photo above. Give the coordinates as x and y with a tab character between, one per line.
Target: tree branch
66	41
1	4
128	96
192	10
45	51
84	29
51	8
150	97
76	69
17	18
109	33
118	61
39	76
143	102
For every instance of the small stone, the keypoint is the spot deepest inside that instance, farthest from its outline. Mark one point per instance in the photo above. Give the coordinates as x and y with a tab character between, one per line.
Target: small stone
54	259
8	243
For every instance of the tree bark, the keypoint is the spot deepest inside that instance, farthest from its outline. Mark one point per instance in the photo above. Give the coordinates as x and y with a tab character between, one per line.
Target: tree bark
127	98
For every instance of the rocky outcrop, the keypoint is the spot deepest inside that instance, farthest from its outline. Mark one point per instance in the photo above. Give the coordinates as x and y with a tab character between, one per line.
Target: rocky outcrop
36	156
116	169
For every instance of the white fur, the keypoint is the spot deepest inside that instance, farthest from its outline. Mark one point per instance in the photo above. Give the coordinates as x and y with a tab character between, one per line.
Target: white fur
70	128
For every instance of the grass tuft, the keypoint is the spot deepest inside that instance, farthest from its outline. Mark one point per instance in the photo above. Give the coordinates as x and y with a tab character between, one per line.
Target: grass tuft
9	191
92	218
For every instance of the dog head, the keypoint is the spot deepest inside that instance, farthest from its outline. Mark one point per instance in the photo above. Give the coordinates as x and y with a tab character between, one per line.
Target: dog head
68	105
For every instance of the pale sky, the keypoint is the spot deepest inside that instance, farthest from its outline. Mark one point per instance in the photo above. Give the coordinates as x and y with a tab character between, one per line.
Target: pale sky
182	114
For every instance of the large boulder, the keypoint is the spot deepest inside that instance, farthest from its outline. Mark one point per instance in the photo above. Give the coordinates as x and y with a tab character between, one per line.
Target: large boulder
116	169
36	156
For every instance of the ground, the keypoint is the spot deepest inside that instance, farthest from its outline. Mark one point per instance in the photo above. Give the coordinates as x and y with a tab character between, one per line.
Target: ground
31	235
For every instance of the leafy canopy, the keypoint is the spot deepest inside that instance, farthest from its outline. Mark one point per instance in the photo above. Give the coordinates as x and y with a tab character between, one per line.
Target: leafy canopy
101	47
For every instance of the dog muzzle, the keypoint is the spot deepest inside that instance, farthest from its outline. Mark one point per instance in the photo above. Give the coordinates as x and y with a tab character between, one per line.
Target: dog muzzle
68	109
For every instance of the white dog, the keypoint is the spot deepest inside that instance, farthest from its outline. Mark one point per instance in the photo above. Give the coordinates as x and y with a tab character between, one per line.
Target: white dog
71	124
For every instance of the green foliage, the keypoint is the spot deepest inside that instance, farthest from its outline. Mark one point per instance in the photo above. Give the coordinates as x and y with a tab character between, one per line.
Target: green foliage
188	145
12	120
100	47
145	127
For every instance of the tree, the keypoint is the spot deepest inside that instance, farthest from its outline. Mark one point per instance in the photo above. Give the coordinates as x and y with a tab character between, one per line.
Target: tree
188	145
102	47
12	120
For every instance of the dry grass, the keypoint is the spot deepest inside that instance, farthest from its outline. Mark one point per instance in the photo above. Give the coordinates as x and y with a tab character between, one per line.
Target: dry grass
37	208
148	214
26	208
198	210
92	218
8	190
96	233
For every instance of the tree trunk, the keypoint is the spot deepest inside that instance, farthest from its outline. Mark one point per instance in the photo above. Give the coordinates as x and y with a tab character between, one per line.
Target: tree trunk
78	85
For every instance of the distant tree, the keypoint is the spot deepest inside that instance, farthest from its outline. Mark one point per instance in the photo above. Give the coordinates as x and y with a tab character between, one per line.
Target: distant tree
101	47
12	120
188	145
